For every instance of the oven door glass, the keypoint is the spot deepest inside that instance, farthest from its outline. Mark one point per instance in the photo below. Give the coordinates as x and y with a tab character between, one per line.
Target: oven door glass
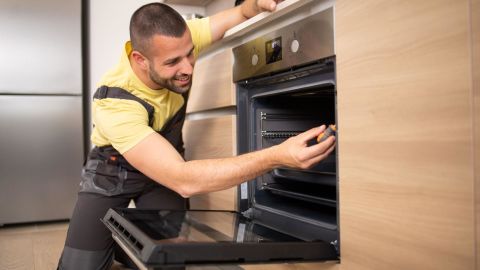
172	238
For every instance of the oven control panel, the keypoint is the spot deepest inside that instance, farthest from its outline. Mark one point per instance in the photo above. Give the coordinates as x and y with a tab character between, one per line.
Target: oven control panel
305	41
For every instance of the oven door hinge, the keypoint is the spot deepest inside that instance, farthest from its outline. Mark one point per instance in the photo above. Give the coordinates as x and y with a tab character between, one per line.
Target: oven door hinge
248	213
336	246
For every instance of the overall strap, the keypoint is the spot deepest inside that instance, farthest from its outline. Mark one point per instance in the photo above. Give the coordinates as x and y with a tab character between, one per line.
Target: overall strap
119	93
171	131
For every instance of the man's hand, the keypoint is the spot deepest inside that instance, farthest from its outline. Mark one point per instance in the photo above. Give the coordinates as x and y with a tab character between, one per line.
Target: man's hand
251	8
295	153
227	19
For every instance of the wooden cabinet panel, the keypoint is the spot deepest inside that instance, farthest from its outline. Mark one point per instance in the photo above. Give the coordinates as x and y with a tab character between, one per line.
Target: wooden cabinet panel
219	200
405	134
212	83
212	138
475	15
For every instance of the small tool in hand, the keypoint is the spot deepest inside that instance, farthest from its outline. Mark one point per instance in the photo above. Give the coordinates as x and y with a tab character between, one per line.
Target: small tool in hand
330	131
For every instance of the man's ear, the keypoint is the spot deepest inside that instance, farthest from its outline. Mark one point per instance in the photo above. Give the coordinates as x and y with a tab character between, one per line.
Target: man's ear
140	60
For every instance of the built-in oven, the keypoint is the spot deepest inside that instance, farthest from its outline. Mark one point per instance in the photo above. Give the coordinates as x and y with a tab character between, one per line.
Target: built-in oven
285	83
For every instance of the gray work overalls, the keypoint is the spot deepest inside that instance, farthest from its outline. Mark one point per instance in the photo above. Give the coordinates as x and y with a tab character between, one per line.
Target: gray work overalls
108	181
105	165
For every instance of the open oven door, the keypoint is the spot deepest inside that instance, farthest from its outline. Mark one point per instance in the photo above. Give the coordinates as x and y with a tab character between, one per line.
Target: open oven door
160	238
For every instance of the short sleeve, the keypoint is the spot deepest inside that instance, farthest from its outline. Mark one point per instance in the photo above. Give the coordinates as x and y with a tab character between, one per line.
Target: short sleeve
121	123
201	33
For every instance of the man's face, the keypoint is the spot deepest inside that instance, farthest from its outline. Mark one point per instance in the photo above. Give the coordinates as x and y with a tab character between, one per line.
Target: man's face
171	62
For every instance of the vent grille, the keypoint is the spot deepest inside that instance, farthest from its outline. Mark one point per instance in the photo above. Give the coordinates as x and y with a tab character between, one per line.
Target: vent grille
132	240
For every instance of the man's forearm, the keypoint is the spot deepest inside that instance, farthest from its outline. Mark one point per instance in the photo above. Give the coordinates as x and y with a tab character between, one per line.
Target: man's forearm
201	176
227	19
155	157
222	21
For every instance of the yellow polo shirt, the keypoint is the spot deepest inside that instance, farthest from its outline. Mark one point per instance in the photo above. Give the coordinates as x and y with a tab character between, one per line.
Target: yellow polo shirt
124	123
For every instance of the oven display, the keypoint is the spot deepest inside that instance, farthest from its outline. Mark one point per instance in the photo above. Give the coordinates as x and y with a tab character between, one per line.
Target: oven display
273	50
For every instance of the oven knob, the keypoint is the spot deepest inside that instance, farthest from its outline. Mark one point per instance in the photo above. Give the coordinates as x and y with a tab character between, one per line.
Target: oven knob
254	60
294	46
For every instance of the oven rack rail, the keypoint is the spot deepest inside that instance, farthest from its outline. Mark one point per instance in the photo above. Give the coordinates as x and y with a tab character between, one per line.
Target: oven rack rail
279	134
285	116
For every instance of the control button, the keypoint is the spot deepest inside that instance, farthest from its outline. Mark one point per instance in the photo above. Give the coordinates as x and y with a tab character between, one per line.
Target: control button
254	60
295	46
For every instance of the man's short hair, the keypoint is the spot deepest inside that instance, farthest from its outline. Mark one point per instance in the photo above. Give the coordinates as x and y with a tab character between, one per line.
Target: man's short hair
154	19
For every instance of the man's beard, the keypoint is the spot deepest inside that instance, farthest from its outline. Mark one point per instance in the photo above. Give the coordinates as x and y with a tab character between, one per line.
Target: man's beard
169	83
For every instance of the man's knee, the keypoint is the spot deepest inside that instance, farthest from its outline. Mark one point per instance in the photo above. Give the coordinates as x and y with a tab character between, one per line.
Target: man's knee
78	259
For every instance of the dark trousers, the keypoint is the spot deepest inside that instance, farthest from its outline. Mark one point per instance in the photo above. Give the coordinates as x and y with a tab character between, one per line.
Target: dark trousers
89	244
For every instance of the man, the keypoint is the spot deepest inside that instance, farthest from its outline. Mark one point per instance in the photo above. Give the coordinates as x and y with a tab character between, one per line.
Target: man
138	113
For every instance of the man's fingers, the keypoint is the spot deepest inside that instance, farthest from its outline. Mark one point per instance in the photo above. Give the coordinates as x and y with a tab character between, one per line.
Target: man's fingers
321	157
320	148
267	5
311	133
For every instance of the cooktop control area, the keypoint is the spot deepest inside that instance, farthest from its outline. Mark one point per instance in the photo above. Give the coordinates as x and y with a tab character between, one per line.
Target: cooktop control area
295	45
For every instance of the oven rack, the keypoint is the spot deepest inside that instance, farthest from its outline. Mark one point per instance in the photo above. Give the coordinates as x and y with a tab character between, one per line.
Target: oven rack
317	196
309	176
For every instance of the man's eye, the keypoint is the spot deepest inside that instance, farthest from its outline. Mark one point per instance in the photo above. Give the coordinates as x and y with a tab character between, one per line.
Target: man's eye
172	63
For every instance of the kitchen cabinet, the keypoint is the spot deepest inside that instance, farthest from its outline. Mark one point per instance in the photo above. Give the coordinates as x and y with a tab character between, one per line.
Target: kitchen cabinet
408	149
408	135
211	138
475	17
212	85
207	134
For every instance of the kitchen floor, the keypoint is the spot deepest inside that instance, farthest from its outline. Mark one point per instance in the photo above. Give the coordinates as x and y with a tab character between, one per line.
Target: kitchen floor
33	246
38	247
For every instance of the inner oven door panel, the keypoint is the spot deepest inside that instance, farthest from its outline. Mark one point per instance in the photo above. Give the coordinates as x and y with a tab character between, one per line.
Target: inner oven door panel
171	238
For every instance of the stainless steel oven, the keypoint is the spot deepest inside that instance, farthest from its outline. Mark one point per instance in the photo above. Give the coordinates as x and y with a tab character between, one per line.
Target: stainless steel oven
285	82
286	85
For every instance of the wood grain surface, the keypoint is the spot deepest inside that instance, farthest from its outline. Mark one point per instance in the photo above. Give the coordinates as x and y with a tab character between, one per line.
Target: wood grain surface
212	138
212	85
405	135
475	23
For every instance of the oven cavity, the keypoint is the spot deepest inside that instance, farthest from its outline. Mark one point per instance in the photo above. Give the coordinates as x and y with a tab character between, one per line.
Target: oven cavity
281	98
301	193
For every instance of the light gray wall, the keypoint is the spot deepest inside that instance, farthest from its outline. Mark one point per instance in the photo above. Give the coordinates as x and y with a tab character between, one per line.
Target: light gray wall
218	5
